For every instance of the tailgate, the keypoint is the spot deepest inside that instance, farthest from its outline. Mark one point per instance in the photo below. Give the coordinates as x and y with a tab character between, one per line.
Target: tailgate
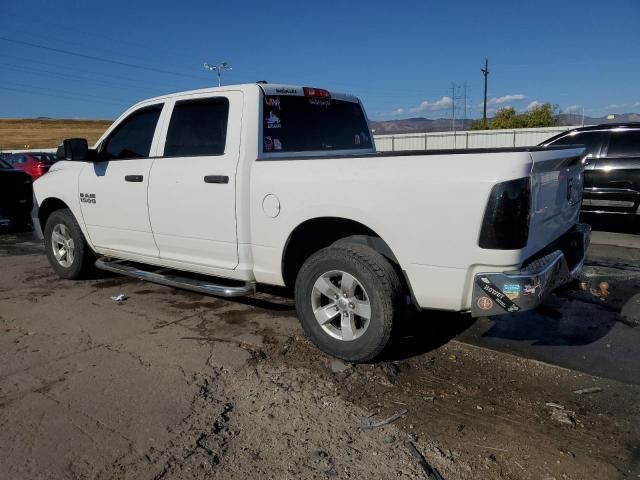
556	193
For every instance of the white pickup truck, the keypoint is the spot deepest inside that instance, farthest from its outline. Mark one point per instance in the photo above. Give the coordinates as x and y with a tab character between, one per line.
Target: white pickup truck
220	189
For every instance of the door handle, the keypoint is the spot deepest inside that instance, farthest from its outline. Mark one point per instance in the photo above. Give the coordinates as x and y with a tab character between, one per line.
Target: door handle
133	178
216	179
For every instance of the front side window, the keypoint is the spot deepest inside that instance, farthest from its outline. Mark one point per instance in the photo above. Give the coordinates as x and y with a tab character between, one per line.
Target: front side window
133	136
198	127
624	143
591	140
306	124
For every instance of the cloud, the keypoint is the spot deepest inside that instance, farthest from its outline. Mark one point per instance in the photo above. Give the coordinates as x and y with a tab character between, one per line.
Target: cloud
426	106
516	97
637	104
533	104
615	105
571	109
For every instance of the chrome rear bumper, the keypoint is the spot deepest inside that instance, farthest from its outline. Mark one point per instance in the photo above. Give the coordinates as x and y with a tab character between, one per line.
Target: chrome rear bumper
524	289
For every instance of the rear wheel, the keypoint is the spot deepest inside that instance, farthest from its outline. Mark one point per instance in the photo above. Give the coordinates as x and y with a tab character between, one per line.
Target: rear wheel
66	248
347	299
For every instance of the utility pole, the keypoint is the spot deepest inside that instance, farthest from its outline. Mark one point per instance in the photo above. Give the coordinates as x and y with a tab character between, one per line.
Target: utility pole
464	97
453	107
218	69
485	72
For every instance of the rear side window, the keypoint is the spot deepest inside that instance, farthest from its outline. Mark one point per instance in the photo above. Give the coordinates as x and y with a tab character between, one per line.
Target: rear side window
133	137
624	144
305	124
591	140
198	127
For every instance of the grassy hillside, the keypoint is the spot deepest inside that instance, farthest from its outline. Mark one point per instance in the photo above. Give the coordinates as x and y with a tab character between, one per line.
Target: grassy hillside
37	133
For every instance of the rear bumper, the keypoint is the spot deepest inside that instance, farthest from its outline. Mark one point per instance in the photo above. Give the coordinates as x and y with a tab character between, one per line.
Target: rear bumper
524	289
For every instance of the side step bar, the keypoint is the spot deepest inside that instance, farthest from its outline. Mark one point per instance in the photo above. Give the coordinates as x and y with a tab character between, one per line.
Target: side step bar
200	286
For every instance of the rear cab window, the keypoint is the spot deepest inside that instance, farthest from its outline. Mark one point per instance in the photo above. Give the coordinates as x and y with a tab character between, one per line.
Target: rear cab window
309	120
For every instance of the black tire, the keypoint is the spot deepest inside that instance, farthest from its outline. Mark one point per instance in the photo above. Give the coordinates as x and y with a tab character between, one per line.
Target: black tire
82	258
383	288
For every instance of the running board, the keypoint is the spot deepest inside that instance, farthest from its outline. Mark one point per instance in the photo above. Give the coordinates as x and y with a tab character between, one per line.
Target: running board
200	286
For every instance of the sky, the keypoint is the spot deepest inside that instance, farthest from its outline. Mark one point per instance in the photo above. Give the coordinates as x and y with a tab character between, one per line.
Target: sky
93	59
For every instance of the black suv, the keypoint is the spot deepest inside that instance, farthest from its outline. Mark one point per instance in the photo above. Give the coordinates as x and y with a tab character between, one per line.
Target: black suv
612	169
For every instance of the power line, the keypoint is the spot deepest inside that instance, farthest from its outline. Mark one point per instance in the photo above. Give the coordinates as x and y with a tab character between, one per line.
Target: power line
38	87
79	78
66	97
99	59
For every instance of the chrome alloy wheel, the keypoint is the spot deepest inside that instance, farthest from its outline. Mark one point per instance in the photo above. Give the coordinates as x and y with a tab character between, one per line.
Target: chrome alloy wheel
62	245
341	305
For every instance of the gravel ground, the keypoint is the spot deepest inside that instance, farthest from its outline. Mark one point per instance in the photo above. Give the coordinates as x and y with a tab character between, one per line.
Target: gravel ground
171	384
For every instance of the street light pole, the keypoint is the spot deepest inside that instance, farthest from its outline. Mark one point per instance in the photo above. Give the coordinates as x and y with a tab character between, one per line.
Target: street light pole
218	69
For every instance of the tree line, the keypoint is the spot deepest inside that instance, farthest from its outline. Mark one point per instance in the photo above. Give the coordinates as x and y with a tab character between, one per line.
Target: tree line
544	115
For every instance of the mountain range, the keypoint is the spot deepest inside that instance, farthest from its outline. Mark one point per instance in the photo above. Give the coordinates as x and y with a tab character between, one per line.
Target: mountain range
423	125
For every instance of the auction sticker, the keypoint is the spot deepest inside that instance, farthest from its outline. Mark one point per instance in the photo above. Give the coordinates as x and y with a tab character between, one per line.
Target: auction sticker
485	303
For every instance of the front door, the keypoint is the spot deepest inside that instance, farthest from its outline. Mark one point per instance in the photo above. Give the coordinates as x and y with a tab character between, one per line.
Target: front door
192	193
113	190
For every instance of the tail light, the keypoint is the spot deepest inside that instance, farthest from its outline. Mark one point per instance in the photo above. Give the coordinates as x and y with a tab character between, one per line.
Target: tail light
506	220
40	168
315	92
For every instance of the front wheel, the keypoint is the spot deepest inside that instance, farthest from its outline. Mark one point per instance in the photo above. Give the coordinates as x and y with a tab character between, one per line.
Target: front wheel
65	246
347	299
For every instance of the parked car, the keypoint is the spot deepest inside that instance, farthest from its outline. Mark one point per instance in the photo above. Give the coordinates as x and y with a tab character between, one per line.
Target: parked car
281	185
35	164
16	197
612	172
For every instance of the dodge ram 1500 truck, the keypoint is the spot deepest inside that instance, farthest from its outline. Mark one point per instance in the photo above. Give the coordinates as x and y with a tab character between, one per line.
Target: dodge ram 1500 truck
220	189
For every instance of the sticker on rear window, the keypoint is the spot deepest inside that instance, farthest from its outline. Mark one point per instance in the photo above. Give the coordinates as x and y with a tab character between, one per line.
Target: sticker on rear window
320	102
272	102
273	121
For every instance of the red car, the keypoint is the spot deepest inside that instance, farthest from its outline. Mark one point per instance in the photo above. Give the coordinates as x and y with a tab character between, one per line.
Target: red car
35	164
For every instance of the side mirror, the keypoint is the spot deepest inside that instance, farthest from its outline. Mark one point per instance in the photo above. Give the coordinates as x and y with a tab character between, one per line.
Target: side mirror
73	149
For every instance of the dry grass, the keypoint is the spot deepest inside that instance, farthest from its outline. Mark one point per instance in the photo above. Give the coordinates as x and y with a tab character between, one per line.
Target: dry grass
36	133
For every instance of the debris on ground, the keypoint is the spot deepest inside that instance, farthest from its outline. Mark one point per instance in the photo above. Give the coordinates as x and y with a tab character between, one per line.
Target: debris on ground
386	421
560	414
119	298
391	370
432	473
602	291
338	366
585	391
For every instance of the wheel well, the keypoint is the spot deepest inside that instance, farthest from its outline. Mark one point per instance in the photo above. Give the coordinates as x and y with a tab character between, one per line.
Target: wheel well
318	233
49	206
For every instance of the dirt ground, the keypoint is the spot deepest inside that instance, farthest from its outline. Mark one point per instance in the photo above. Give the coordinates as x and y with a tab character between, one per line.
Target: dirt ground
170	384
40	133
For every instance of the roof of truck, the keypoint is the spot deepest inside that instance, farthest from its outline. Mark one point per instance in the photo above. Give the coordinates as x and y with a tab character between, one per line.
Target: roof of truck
267	88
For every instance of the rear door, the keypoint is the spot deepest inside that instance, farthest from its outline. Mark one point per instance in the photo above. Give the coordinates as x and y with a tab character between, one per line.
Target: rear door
113	191
617	174
192	193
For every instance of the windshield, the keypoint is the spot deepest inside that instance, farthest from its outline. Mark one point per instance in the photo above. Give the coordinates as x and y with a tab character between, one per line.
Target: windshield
305	124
